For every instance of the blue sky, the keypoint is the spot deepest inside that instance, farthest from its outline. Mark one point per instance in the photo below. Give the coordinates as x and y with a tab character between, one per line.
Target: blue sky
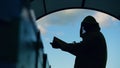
66	25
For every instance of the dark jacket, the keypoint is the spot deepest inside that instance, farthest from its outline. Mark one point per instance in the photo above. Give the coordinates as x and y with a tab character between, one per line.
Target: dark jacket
90	53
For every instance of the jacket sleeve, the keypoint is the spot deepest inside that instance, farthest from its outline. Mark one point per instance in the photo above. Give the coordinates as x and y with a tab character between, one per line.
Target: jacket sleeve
73	48
80	48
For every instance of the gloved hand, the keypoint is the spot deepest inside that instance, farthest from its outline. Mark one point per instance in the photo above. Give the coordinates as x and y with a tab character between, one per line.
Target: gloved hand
55	43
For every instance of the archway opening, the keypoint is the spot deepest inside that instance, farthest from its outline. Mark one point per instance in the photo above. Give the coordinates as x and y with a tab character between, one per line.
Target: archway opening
65	24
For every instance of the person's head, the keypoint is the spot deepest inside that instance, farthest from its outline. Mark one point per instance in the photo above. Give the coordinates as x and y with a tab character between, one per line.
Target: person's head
89	24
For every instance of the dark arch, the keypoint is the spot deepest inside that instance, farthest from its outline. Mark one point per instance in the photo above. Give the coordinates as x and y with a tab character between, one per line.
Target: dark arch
45	7
78	8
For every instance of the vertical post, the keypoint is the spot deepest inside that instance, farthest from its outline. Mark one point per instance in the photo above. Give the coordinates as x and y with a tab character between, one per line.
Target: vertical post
83	3
44	6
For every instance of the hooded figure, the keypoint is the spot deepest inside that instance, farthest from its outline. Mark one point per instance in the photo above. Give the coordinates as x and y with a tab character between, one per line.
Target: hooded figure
91	52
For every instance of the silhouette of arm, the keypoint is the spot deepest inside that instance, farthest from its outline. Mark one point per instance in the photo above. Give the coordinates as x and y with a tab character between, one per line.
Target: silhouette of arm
80	48
73	48
68	47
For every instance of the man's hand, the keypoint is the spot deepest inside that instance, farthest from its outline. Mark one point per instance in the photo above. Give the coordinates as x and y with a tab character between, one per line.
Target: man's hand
55	43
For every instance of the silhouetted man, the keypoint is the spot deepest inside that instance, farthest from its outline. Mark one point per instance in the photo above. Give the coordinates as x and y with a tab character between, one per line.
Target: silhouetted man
91	52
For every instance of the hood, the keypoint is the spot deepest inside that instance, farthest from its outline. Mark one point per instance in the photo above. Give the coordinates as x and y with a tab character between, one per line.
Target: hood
89	24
